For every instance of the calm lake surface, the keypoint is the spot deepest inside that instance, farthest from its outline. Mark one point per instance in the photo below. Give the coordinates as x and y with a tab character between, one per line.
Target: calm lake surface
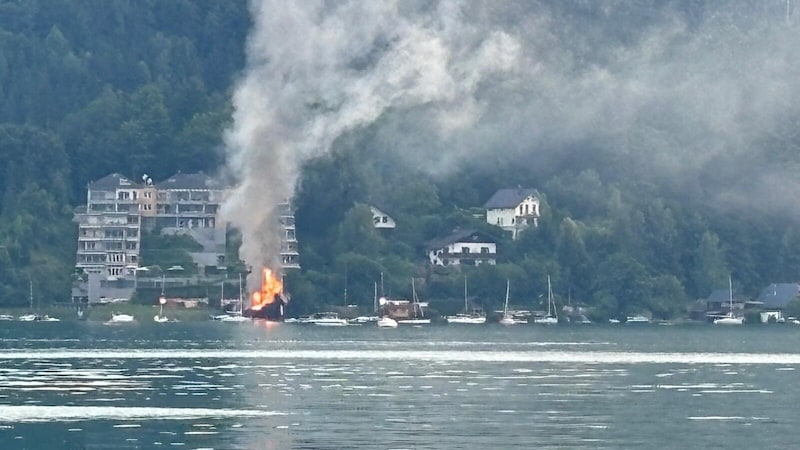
255	385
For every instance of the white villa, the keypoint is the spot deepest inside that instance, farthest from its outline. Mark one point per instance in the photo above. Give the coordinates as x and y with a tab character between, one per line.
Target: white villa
513	210
469	247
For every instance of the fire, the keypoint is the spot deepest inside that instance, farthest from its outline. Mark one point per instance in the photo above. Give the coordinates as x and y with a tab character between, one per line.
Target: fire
271	285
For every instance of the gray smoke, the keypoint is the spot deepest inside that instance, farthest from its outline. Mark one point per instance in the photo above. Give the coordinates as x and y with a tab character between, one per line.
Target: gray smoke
676	92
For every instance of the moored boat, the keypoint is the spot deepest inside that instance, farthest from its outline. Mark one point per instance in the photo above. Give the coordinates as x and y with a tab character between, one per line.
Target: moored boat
387	322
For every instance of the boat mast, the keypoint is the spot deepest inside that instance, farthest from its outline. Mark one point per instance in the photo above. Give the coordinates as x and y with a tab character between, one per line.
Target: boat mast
466	308
30	283
375	297
505	306
730	296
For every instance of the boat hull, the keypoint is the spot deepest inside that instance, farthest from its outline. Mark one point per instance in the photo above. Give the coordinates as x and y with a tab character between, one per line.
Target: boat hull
729	321
466	320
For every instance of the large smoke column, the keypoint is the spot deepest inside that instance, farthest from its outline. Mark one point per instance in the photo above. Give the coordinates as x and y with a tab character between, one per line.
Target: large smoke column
675	92
318	69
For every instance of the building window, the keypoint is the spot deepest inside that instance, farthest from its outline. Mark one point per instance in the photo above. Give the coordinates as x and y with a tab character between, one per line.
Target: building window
485	250
464	249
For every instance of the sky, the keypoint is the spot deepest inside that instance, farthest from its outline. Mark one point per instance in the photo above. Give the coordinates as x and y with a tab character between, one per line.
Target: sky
696	97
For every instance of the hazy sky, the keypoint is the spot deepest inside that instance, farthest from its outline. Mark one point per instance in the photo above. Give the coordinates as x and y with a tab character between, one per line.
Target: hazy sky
677	92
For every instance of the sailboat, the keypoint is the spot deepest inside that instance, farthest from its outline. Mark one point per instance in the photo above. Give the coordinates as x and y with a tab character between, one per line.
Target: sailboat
509	319
237	314
729	318
551	317
161	318
418	315
32	317
476	317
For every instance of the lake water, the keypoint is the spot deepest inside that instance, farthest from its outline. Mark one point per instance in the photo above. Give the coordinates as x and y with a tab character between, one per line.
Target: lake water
275	386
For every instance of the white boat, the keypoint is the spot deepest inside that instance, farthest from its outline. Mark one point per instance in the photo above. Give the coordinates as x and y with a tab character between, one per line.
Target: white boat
6	317
729	318
637	319
419	314
476	317
387	322
327	319
237	315
234	318
121	318
509	319
613	320
29	318
160	317
47	318
552	317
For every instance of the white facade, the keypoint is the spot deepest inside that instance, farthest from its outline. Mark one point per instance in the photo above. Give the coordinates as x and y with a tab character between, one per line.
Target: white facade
381	220
517	217
109	230
456	253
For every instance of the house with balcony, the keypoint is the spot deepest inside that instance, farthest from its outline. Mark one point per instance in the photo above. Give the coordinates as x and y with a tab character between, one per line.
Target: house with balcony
109	231
513	210
118	209
462	247
290	255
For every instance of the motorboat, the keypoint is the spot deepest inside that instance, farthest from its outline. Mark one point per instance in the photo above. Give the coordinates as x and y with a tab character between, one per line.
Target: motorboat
6	317
234	318
30	318
637	319
387	322
466	318
327	319
47	318
121	318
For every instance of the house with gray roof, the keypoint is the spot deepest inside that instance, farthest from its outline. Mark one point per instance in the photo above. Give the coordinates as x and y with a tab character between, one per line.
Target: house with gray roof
513	210
468	247
777	295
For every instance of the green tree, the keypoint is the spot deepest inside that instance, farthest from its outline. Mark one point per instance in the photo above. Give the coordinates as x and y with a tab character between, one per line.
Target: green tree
710	270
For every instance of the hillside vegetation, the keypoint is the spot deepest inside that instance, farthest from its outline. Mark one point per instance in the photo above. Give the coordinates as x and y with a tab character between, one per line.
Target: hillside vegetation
93	87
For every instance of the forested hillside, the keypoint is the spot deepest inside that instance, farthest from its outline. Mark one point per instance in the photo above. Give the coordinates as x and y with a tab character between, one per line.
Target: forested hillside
93	87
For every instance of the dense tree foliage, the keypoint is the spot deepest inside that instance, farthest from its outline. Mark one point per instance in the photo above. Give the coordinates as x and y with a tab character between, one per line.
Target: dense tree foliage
93	87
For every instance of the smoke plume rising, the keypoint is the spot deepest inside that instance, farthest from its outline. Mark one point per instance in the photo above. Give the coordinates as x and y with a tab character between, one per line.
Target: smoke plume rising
699	98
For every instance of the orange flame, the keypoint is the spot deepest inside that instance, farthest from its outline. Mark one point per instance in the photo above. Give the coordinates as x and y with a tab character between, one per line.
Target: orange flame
271	285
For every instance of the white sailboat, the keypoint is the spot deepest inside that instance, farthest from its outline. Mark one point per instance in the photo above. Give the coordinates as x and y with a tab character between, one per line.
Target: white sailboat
729	318
509	319
419	315
31	317
162	299
475	317
551	317
237	316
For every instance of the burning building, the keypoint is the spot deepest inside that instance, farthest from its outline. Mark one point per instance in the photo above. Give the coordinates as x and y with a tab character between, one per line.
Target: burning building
269	302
